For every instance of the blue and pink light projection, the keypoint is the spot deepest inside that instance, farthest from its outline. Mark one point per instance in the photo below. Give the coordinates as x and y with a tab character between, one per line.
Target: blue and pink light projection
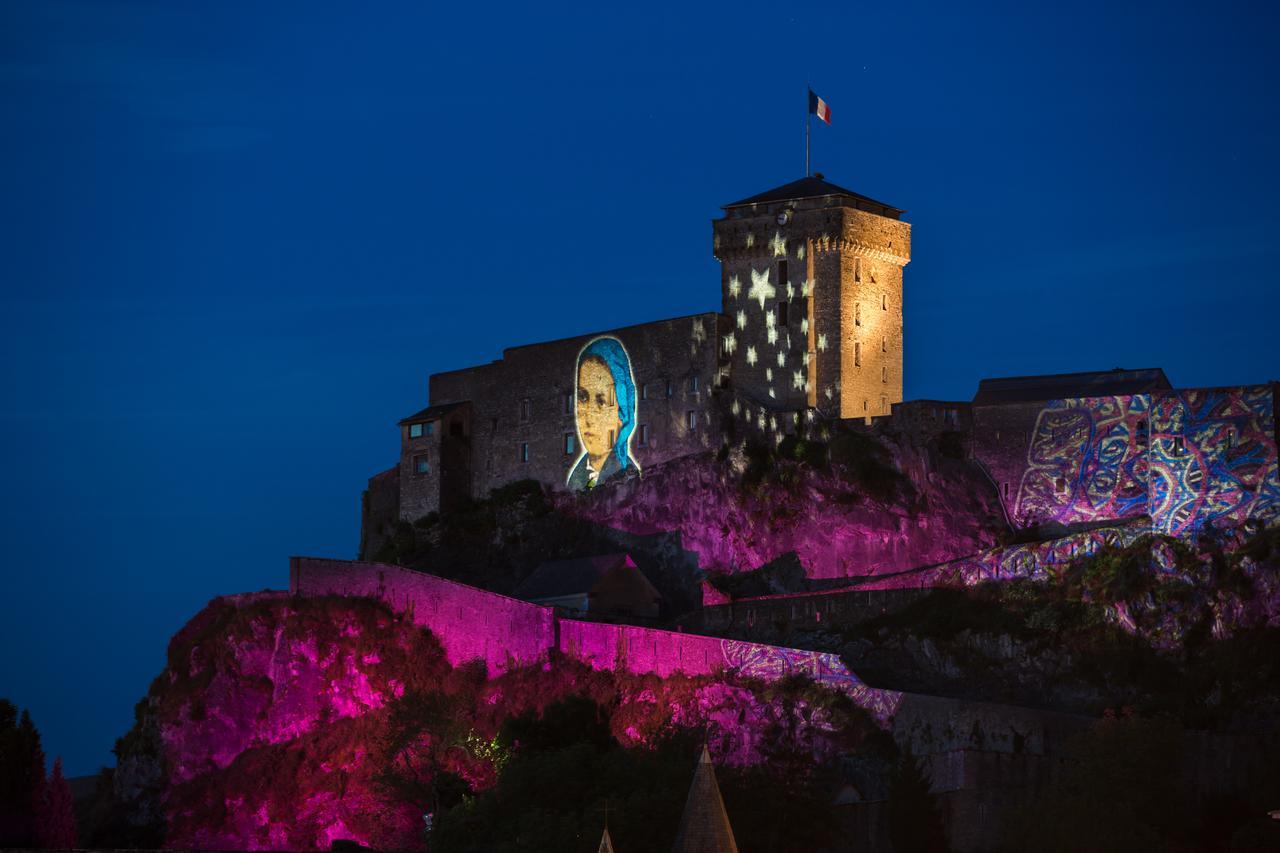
1188	459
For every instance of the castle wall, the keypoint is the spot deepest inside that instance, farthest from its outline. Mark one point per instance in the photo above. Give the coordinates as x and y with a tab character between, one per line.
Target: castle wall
445	445
871	319
471	623
476	624
379	509
527	399
1188	459
840	343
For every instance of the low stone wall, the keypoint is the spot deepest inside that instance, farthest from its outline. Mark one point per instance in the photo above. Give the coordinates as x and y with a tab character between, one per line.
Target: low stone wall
763	615
471	623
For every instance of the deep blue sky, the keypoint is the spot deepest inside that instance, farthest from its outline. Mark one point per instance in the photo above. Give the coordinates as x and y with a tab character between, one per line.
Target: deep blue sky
235	239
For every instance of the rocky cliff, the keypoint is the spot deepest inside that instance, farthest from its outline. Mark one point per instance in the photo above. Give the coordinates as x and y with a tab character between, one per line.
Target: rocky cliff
864	505
289	723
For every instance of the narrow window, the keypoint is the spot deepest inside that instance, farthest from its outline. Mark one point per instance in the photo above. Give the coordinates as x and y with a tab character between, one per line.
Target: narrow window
415	430
857	354
782	313
431	428
884	374
493	424
1179	447
568	444
884	345
455	428
611	440
857	313
644	391
693	384
857	270
421	465
1006	490
644	435
864	405
782	275
526	409
884	404
884	302
691	419
567	400
524	451
1060	485
670	389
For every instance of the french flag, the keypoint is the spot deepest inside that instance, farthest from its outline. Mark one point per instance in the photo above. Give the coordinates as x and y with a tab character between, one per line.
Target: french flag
819	107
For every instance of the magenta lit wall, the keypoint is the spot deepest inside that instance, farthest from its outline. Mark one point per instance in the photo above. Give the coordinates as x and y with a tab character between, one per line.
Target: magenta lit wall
470	623
473	623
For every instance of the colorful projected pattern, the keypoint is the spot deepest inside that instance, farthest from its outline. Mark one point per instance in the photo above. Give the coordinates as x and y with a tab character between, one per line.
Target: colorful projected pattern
1189	459
1213	459
770	663
1035	561
1087	461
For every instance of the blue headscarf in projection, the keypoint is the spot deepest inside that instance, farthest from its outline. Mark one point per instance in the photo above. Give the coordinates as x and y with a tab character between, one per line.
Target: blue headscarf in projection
611	352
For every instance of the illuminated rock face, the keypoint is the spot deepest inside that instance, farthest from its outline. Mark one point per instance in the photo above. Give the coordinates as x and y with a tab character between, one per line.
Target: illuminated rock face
270	727
832	524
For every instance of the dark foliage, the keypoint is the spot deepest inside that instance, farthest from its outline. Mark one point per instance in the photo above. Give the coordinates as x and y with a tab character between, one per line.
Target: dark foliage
915	820
21	777
56	817
868	465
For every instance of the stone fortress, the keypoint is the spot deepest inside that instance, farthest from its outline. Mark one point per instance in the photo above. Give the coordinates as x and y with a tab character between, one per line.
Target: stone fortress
810	336
809	342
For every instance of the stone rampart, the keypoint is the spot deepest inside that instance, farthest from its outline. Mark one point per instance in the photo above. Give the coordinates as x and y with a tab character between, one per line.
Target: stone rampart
471	623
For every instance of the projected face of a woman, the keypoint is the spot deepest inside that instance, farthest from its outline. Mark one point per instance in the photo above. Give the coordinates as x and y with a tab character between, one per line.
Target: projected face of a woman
597	410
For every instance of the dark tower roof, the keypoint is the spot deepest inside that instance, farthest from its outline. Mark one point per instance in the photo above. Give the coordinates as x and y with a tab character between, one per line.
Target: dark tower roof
1068	386
815	186
704	826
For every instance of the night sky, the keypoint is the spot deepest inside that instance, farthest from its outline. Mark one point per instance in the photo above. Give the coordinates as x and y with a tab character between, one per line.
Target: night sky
237	238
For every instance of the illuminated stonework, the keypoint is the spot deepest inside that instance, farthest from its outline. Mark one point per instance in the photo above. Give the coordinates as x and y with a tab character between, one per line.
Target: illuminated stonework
761	290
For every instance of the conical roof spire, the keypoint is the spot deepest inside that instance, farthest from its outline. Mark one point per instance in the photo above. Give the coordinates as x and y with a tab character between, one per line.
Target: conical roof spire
606	845
704	826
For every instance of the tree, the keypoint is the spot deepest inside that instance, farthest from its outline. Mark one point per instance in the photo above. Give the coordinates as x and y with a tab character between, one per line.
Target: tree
56	817
915	821
21	776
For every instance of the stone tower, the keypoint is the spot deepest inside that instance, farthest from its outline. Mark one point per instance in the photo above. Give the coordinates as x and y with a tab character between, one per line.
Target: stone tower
811	284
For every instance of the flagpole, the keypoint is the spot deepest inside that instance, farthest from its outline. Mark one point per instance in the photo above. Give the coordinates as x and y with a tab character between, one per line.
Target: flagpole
807	111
